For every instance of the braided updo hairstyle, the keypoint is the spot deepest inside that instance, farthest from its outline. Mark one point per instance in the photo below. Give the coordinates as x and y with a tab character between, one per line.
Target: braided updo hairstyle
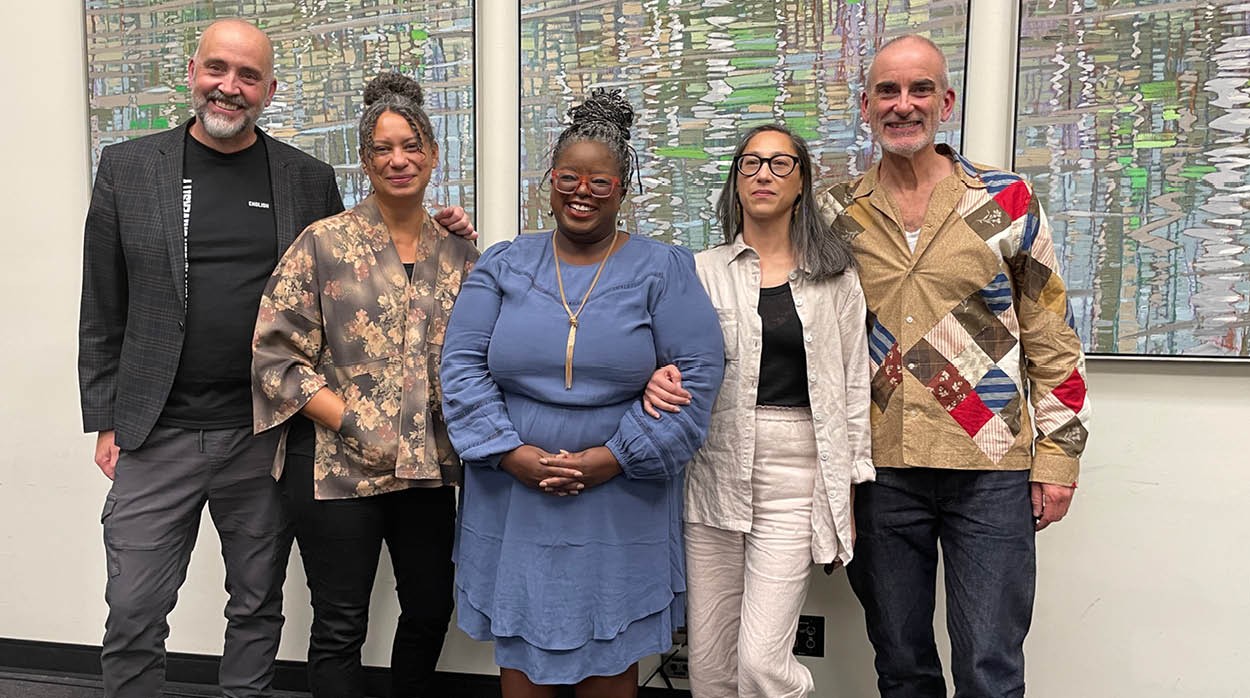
399	94
604	117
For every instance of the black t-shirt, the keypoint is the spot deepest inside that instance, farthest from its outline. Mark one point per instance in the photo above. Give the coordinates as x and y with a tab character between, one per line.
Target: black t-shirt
231	250
783	362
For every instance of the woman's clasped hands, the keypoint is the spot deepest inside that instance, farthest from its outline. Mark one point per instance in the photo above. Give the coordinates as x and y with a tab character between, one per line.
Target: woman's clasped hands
560	474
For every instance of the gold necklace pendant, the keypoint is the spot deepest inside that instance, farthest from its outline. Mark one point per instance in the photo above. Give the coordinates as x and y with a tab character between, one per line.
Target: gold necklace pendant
568	347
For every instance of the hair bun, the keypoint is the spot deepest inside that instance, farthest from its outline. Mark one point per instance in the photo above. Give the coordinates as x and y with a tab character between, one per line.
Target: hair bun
605	106
393	84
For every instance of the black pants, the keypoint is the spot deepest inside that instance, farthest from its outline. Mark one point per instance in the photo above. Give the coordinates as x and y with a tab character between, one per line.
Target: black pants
340	542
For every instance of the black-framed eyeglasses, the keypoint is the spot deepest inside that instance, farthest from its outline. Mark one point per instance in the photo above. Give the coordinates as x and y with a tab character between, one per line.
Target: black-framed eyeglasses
780	165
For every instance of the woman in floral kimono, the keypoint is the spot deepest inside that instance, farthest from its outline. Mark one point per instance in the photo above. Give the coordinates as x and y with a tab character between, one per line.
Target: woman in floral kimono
350	333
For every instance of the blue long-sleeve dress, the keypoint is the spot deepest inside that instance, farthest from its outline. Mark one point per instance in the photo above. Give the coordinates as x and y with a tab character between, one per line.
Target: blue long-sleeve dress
570	587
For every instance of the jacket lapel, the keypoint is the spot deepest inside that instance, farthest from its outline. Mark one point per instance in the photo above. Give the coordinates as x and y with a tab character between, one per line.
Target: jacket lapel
283	194
169	180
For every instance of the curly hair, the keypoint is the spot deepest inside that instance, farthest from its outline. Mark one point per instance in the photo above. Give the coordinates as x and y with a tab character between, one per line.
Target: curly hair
604	117
392	92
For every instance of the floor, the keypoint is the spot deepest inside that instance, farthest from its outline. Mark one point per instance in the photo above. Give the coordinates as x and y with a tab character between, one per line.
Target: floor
20	685
25	684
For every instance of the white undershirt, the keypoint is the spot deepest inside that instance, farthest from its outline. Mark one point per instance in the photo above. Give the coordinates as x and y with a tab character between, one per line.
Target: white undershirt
913	236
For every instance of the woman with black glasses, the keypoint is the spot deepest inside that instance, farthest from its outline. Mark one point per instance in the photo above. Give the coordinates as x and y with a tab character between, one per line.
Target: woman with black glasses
569	553
770	492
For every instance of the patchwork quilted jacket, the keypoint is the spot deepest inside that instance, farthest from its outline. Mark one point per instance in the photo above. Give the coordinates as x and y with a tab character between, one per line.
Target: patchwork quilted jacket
968	329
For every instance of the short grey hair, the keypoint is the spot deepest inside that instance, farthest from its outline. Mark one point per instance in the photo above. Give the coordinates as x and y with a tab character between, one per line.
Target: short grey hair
945	74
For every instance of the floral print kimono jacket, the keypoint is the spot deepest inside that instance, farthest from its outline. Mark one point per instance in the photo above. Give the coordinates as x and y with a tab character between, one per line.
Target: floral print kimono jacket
341	312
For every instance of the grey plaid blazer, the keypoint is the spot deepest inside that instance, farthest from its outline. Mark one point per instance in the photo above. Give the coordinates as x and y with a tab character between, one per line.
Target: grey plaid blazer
130	324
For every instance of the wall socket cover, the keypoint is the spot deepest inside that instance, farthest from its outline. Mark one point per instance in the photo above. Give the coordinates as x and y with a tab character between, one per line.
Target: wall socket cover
809	641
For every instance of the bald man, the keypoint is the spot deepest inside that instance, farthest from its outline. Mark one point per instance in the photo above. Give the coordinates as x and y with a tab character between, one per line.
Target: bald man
968	324
183	231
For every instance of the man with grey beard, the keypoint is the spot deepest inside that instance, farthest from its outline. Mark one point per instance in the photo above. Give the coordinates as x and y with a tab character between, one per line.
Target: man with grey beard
968	326
183	231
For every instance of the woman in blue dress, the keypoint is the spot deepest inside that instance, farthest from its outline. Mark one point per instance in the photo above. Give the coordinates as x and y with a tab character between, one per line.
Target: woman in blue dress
569	550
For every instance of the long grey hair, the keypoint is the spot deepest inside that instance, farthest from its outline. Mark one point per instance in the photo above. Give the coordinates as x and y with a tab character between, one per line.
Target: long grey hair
818	249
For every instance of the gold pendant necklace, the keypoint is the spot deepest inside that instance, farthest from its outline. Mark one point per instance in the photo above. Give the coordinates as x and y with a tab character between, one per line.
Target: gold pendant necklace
568	349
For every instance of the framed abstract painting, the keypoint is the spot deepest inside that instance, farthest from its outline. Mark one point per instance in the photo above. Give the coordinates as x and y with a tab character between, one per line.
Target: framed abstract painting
1133	123
701	72
324	54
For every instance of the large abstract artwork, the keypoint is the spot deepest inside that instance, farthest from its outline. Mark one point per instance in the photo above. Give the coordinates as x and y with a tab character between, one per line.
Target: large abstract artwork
702	72
1134	125
324	52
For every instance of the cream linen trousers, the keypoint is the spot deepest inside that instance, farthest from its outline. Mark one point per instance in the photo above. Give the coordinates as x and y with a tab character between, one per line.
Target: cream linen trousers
745	590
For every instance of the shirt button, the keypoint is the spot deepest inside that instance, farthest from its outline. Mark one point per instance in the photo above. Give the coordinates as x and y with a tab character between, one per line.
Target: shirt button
818	416
910	319
807	338
798	302
911	367
794	275
824	456
811	379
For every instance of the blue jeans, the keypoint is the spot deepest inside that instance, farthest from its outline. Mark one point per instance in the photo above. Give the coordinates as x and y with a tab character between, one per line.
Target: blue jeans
984	521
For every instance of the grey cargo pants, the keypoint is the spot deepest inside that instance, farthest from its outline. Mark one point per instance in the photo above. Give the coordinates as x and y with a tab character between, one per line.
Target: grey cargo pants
151	519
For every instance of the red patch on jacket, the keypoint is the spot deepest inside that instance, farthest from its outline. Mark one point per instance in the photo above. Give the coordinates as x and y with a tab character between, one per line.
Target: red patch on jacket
1071	392
1014	199
972	414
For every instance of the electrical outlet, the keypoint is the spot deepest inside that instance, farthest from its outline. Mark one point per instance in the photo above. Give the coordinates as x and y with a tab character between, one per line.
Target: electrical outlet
679	637
676	668
810	639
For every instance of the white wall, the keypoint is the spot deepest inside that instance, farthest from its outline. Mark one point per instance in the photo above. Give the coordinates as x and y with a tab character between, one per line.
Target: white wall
1142	590
50	552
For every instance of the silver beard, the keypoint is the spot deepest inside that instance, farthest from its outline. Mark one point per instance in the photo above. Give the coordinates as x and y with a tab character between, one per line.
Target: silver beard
910	149
219	126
